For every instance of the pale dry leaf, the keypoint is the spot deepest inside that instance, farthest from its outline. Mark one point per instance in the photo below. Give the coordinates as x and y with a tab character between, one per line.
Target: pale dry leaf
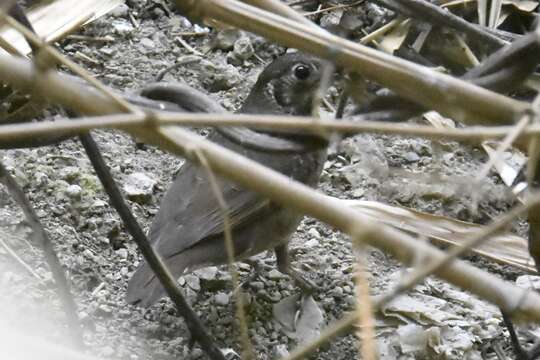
522	5
506	171
466	51
285	313
438	121
505	12
504	248
57	19
310	321
395	38
494	13
421	309
482	7
302	323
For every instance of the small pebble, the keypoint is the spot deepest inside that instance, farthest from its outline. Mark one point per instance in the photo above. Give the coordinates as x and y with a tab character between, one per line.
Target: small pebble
311	243
193	282
281	351
139	187
275	275
257	285
196	353
107	351
412	157
314	233
120	11
221	299
122	253
74	191
148	43
207	273
337	292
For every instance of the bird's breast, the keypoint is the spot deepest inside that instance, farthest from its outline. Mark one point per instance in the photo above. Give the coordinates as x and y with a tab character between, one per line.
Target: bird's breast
303	166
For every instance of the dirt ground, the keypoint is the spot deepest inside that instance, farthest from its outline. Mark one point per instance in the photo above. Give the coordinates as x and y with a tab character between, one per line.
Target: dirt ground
99	256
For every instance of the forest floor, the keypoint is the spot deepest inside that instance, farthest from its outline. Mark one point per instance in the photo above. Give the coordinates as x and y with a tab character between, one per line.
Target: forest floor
435	320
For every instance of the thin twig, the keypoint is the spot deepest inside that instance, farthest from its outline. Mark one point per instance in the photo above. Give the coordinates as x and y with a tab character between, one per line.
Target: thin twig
21	261
277	7
532	176
332	8
42	46
505	144
197	329
346	324
63	128
188	47
534	146
99	39
526	47
247	347
449	96
179	63
374	35
518	350
41	237
437	16
364	310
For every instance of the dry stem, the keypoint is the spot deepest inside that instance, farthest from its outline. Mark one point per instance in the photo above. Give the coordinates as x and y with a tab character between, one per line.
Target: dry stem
451	97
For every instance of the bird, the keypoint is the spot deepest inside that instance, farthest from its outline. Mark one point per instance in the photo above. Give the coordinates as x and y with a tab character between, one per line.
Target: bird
188	230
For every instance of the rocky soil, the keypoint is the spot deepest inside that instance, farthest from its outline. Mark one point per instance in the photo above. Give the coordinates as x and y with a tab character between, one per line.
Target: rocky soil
434	321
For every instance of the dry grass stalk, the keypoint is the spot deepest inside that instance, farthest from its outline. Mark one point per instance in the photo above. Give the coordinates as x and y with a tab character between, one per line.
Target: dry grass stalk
450	96
366	322
248	352
56	20
302	198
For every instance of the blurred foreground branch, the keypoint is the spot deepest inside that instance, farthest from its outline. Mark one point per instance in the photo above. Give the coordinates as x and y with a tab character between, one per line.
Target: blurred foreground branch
448	95
282	190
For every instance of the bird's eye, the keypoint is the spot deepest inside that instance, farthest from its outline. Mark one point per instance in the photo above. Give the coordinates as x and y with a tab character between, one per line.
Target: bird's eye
302	72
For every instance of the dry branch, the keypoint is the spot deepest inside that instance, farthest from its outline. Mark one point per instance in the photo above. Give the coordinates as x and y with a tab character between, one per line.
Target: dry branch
284	191
450	96
417	276
198	331
41	237
14	133
281	189
247	347
433	14
52	22
428	225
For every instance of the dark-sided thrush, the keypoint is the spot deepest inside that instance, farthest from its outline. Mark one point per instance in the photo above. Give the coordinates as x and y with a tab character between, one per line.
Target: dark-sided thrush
188	230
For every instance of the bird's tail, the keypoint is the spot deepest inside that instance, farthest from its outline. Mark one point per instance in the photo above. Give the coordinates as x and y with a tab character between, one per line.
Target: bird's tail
144	289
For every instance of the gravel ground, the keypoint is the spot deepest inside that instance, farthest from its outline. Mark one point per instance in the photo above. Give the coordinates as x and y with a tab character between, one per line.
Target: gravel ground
99	256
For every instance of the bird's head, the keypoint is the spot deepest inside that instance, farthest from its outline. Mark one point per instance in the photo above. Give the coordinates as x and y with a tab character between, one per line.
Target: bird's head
286	86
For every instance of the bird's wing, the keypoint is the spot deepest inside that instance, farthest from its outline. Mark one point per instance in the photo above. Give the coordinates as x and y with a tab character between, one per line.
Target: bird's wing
190	211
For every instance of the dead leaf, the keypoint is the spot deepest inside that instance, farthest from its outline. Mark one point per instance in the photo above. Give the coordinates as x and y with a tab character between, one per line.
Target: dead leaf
395	38
55	20
523	5
303	323
495	13
505	248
